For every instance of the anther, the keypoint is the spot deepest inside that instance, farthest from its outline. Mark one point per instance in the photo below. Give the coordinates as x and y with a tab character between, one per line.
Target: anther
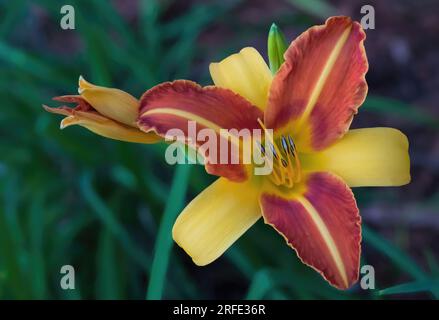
262	148
273	150
291	144
284	144
286	170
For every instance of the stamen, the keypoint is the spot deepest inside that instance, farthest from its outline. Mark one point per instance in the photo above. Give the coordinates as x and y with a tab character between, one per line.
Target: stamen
286	170
271	140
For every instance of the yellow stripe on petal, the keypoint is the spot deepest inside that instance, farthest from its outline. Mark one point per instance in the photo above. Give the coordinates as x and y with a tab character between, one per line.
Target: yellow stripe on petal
321	84
323	77
186	108
246	74
365	157
327	238
112	103
321	222
193	117
215	219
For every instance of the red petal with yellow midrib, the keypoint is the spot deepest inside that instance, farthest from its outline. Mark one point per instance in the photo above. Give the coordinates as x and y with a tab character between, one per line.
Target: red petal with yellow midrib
322	224
319	88
171	105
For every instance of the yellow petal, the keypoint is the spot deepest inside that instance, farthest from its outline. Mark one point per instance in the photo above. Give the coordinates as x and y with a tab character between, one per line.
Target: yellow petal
108	128
245	73
215	219
365	157
112	103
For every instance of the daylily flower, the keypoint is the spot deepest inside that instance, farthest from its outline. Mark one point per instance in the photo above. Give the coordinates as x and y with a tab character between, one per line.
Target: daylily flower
108	112
309	103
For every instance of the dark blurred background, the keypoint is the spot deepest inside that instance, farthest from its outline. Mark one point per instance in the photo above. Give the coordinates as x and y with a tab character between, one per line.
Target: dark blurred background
71	197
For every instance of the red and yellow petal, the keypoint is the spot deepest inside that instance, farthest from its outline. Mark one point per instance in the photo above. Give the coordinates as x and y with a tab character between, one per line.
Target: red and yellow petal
81	104
320	220
321	84
172	105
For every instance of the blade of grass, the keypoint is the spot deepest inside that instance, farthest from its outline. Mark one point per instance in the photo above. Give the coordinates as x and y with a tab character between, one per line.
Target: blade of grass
318	8
400	109
98	58
107	284
127	57
432	263
238	258
163	245
150	12
14	232
12	277
106	216
260	286
270	281
114	20
412	287
32	65
12	15
36	232
396	255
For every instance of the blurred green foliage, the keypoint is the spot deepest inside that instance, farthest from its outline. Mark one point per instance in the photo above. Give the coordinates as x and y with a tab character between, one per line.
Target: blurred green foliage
107	207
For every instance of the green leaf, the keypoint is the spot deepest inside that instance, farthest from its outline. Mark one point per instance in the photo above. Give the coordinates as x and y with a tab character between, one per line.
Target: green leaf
25	62
400	109
163	245
260	285
432	262
36	232
412	287
106	216
396	255
107	285
318	8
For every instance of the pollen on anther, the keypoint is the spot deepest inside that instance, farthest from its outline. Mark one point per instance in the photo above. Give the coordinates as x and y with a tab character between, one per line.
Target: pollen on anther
284	144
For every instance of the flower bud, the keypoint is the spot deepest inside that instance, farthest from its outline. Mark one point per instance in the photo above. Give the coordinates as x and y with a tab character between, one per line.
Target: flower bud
111	103
276	48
